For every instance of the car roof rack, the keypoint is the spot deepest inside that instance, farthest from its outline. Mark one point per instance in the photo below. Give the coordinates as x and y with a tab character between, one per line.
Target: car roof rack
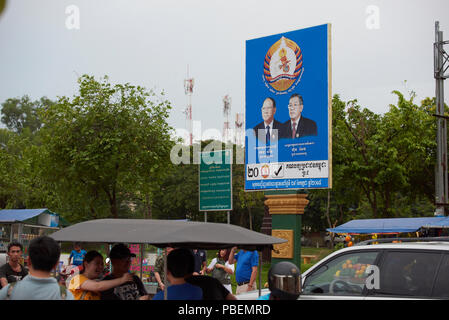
390	240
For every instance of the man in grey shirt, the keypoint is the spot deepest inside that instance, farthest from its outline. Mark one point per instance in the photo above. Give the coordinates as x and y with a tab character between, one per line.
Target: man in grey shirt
43	256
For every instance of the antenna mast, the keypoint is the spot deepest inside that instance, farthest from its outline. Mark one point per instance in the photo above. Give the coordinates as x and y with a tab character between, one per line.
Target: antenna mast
188	87
441	65
239	129
226	112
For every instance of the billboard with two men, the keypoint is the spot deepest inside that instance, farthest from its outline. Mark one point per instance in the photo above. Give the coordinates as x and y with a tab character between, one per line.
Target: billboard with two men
288	111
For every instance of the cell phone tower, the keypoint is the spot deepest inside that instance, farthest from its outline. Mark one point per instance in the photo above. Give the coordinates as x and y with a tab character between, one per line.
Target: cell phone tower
188	87
226	112
239	131
441	65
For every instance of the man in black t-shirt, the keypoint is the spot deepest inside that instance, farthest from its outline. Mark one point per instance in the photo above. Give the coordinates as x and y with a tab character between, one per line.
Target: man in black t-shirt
13	271
212	288
121	261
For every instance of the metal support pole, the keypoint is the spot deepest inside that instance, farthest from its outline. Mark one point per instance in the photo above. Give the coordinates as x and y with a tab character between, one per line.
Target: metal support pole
141	262
205	216
19	233
260	273
11	238
165	273
110	263
229	217
441	176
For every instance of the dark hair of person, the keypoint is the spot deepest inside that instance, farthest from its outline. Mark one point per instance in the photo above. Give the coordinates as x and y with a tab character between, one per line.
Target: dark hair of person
15	244
301	101
44	253
91	255
226	257
180	262
272	100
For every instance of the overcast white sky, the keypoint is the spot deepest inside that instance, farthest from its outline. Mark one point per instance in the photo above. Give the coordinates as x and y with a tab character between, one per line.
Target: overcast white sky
151	42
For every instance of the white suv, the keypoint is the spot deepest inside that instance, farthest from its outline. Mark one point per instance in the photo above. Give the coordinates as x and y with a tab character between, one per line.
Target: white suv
405	270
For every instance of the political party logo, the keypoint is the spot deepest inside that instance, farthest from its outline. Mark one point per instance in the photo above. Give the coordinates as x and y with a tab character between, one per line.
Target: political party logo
265	171
283	65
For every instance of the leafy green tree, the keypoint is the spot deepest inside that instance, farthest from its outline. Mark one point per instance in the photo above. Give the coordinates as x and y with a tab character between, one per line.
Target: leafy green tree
105	143
21	113
383	165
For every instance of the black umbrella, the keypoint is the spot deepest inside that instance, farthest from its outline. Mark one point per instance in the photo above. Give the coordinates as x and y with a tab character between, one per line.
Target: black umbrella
163	233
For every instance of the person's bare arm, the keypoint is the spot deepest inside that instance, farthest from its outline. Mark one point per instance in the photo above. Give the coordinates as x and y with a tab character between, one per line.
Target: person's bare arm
159	281
253	278
231	259
226	269
204	269
4	282
91	285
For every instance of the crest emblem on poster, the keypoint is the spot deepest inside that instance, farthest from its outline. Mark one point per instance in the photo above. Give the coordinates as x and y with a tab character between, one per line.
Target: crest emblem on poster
283	65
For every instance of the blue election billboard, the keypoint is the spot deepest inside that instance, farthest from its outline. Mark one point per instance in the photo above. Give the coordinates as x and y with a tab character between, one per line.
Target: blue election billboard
288	111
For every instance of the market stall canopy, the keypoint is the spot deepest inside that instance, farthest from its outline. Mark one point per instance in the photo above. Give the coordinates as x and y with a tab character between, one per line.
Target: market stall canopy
393	225
163	233
444	223
33	216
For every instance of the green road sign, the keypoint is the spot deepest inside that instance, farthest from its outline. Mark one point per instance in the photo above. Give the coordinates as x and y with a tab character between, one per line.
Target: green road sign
215	181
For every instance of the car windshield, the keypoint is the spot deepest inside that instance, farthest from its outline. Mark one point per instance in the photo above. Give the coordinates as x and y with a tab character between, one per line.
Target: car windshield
343	275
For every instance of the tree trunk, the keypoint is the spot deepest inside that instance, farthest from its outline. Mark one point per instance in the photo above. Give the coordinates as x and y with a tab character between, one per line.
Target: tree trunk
112	203
387	204
92	212
149	213
114	212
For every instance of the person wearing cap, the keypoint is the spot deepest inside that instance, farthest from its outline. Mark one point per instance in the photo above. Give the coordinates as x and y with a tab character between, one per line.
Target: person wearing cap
284	282
120	257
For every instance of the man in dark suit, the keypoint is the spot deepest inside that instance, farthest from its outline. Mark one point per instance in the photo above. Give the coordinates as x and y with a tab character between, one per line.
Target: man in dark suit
298	126
264	130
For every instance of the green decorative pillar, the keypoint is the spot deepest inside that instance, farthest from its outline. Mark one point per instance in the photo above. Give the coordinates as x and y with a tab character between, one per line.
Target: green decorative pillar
286	208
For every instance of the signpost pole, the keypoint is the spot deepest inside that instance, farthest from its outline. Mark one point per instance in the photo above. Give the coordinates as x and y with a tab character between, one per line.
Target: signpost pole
229	217
141	262
260	271
205	216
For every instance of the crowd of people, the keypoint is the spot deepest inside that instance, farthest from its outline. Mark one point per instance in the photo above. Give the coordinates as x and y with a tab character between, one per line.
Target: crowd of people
186	274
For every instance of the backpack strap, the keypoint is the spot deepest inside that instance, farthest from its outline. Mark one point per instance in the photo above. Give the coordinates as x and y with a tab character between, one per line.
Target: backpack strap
10	288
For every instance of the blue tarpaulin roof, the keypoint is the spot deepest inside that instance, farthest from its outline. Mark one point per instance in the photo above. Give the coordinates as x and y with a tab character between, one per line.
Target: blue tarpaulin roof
393	225
15	215
444	223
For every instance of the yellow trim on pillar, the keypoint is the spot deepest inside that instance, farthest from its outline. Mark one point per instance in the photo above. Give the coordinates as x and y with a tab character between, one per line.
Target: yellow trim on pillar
286	203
